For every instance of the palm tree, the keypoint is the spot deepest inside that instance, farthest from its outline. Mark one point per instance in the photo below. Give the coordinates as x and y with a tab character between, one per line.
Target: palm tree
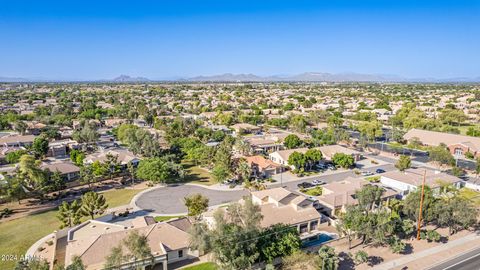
243	170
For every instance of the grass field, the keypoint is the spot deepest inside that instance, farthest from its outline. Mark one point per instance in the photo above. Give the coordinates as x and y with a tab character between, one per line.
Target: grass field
197	175
203	266
118	197
16	236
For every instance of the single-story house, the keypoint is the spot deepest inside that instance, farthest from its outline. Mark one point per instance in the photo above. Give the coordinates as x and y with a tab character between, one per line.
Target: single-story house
123	157
411	179
16	140
67	170
458	145
245	128
93	241
337	195
328	151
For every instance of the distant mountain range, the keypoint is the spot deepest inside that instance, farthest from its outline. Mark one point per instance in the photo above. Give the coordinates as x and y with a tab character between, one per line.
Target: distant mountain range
322	77
303	77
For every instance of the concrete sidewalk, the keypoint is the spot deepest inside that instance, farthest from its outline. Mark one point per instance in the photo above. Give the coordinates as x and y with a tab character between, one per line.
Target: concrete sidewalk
432	255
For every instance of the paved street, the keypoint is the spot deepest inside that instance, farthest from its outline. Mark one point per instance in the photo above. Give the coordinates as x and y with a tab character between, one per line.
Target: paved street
169	200
467	261
292	185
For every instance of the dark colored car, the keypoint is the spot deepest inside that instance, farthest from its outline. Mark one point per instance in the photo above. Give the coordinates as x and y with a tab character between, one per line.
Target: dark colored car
304	185
380	171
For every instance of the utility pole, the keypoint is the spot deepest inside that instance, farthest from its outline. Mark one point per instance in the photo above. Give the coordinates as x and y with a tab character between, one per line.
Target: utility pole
421	205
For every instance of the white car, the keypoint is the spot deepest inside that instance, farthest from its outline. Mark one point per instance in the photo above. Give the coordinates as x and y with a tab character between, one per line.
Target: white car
317	182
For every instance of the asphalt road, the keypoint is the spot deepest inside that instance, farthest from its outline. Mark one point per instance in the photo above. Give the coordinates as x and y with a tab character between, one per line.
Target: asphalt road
292	185
467	261
169	200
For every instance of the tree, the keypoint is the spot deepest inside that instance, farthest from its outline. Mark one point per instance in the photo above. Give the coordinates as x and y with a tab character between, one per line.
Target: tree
370	129
369	197
396	245
403	163
159	170
113	165
234	240
77	264
131	171
99	169
313	156
243	169
87	134
77	157
115	259
349	222
441	155
456	213
93	204
13	189
360	257
292	141
87	176
343	160
278	240
40	146
21	127
329	259
14	156
69	214
297	160
32	177
138	247
220	173
196	204
411	206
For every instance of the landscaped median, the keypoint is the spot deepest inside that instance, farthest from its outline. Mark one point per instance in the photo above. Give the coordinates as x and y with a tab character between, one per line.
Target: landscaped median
17	235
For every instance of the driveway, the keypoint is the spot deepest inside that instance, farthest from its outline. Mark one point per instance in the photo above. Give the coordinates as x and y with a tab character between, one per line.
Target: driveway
169	200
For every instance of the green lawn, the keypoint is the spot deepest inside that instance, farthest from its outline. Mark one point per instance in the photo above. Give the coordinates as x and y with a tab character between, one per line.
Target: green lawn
463	129
16	236
165	218
118	197
316	191
197	175
203	266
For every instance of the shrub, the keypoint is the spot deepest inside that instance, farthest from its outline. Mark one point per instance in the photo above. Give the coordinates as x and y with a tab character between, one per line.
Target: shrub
396	245
360	257
433	236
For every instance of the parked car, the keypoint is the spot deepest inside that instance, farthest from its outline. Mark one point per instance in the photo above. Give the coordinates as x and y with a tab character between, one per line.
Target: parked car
380	171
317	182
331	167
321	166
367	173
304	185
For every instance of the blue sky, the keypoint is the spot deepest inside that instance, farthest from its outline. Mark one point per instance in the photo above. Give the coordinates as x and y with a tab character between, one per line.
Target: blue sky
170	39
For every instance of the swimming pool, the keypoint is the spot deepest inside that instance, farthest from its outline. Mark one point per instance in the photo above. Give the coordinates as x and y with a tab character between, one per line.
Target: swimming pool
317	240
